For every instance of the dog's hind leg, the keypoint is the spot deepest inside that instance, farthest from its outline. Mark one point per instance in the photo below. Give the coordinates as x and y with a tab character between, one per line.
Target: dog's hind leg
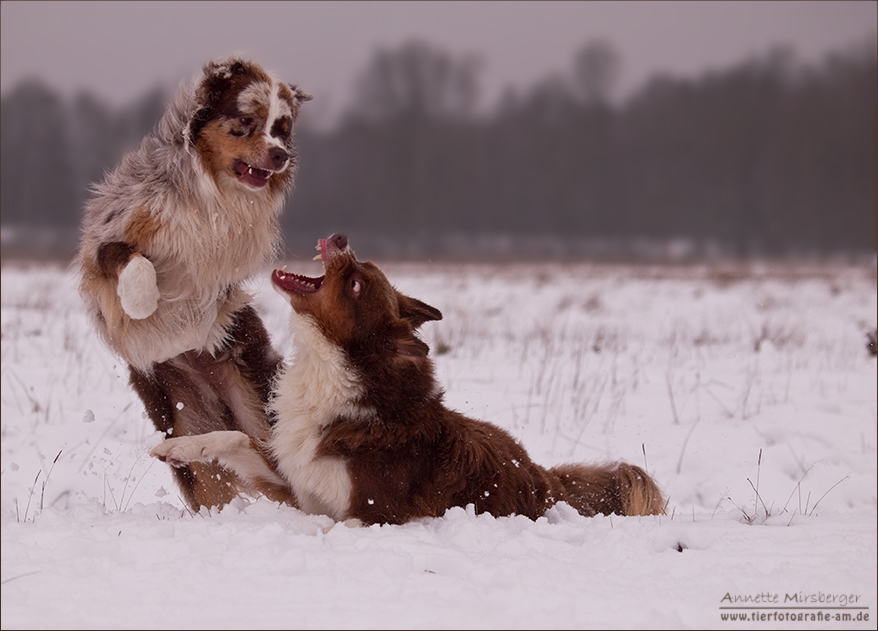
253	353
197	393
618	488
252	369
179	404
206	484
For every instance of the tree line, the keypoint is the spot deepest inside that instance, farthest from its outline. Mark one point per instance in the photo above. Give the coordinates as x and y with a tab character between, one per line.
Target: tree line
768	157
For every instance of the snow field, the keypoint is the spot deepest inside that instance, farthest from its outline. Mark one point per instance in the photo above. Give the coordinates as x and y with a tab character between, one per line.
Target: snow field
719	381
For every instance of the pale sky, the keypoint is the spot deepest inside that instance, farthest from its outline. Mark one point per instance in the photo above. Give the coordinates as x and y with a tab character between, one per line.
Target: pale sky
120	50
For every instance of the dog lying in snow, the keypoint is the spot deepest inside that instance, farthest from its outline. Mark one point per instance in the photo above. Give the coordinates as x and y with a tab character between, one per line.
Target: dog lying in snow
362	434
168	239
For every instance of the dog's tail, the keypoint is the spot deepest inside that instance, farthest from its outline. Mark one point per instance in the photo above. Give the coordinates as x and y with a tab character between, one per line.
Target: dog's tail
618	488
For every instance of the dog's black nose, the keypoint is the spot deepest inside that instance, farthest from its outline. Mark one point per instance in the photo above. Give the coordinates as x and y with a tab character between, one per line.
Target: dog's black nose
278	157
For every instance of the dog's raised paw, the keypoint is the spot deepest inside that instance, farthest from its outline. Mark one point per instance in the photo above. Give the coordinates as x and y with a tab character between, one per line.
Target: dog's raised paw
210	447
137	288
177	452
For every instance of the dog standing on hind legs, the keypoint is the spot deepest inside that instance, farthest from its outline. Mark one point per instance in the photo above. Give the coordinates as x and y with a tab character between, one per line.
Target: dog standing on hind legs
361	432
168	239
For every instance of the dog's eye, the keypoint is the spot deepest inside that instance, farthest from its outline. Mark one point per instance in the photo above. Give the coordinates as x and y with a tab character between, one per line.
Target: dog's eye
281	128
356	286
243	126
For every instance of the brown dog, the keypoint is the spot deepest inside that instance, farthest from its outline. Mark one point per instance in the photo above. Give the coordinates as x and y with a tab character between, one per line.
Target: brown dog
361	430
168	239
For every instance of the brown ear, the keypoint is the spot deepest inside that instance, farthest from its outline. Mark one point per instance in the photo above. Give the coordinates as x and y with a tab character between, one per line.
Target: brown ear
299	94
415	311
299	97
217	76
411	348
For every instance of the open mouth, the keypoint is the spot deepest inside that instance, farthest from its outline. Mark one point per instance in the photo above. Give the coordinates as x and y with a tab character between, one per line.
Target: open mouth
250	175
297	283
330	249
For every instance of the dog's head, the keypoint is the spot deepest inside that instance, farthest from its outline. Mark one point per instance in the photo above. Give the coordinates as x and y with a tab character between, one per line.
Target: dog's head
356	307
242	125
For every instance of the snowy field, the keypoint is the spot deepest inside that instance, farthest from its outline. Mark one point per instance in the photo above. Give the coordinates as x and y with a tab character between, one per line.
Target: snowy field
721	382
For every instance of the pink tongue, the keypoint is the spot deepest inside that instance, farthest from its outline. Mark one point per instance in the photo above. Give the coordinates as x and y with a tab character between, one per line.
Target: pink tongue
252	175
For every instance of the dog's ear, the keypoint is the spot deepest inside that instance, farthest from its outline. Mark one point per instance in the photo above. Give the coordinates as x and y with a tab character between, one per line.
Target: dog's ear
415	311
299	94
218	75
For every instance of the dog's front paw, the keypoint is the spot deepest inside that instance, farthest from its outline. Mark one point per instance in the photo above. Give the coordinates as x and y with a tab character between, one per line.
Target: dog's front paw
137	288
210	447
178	452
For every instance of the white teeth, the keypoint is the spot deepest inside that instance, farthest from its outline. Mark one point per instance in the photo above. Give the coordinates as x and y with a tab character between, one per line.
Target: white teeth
317	258
250	171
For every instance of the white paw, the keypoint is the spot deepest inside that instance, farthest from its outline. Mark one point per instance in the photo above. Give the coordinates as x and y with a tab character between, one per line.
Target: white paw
137	288
180	451
208	447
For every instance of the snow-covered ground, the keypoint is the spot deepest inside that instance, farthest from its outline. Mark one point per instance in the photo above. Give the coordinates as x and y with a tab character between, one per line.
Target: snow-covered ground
719	381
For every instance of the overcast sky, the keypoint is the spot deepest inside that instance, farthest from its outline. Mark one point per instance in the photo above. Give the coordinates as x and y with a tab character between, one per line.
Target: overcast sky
120	50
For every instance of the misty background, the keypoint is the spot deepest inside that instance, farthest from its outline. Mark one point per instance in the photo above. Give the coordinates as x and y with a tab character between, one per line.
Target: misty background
772	155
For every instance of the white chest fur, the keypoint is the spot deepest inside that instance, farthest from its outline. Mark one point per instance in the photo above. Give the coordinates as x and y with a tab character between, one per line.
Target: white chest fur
317	387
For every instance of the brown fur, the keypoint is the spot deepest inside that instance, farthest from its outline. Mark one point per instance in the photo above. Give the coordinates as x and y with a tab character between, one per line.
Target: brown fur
168	240
142	229
362	432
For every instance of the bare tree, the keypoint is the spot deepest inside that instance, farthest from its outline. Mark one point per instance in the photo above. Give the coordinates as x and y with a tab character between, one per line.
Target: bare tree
770	156
416	80
596	69
37	179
